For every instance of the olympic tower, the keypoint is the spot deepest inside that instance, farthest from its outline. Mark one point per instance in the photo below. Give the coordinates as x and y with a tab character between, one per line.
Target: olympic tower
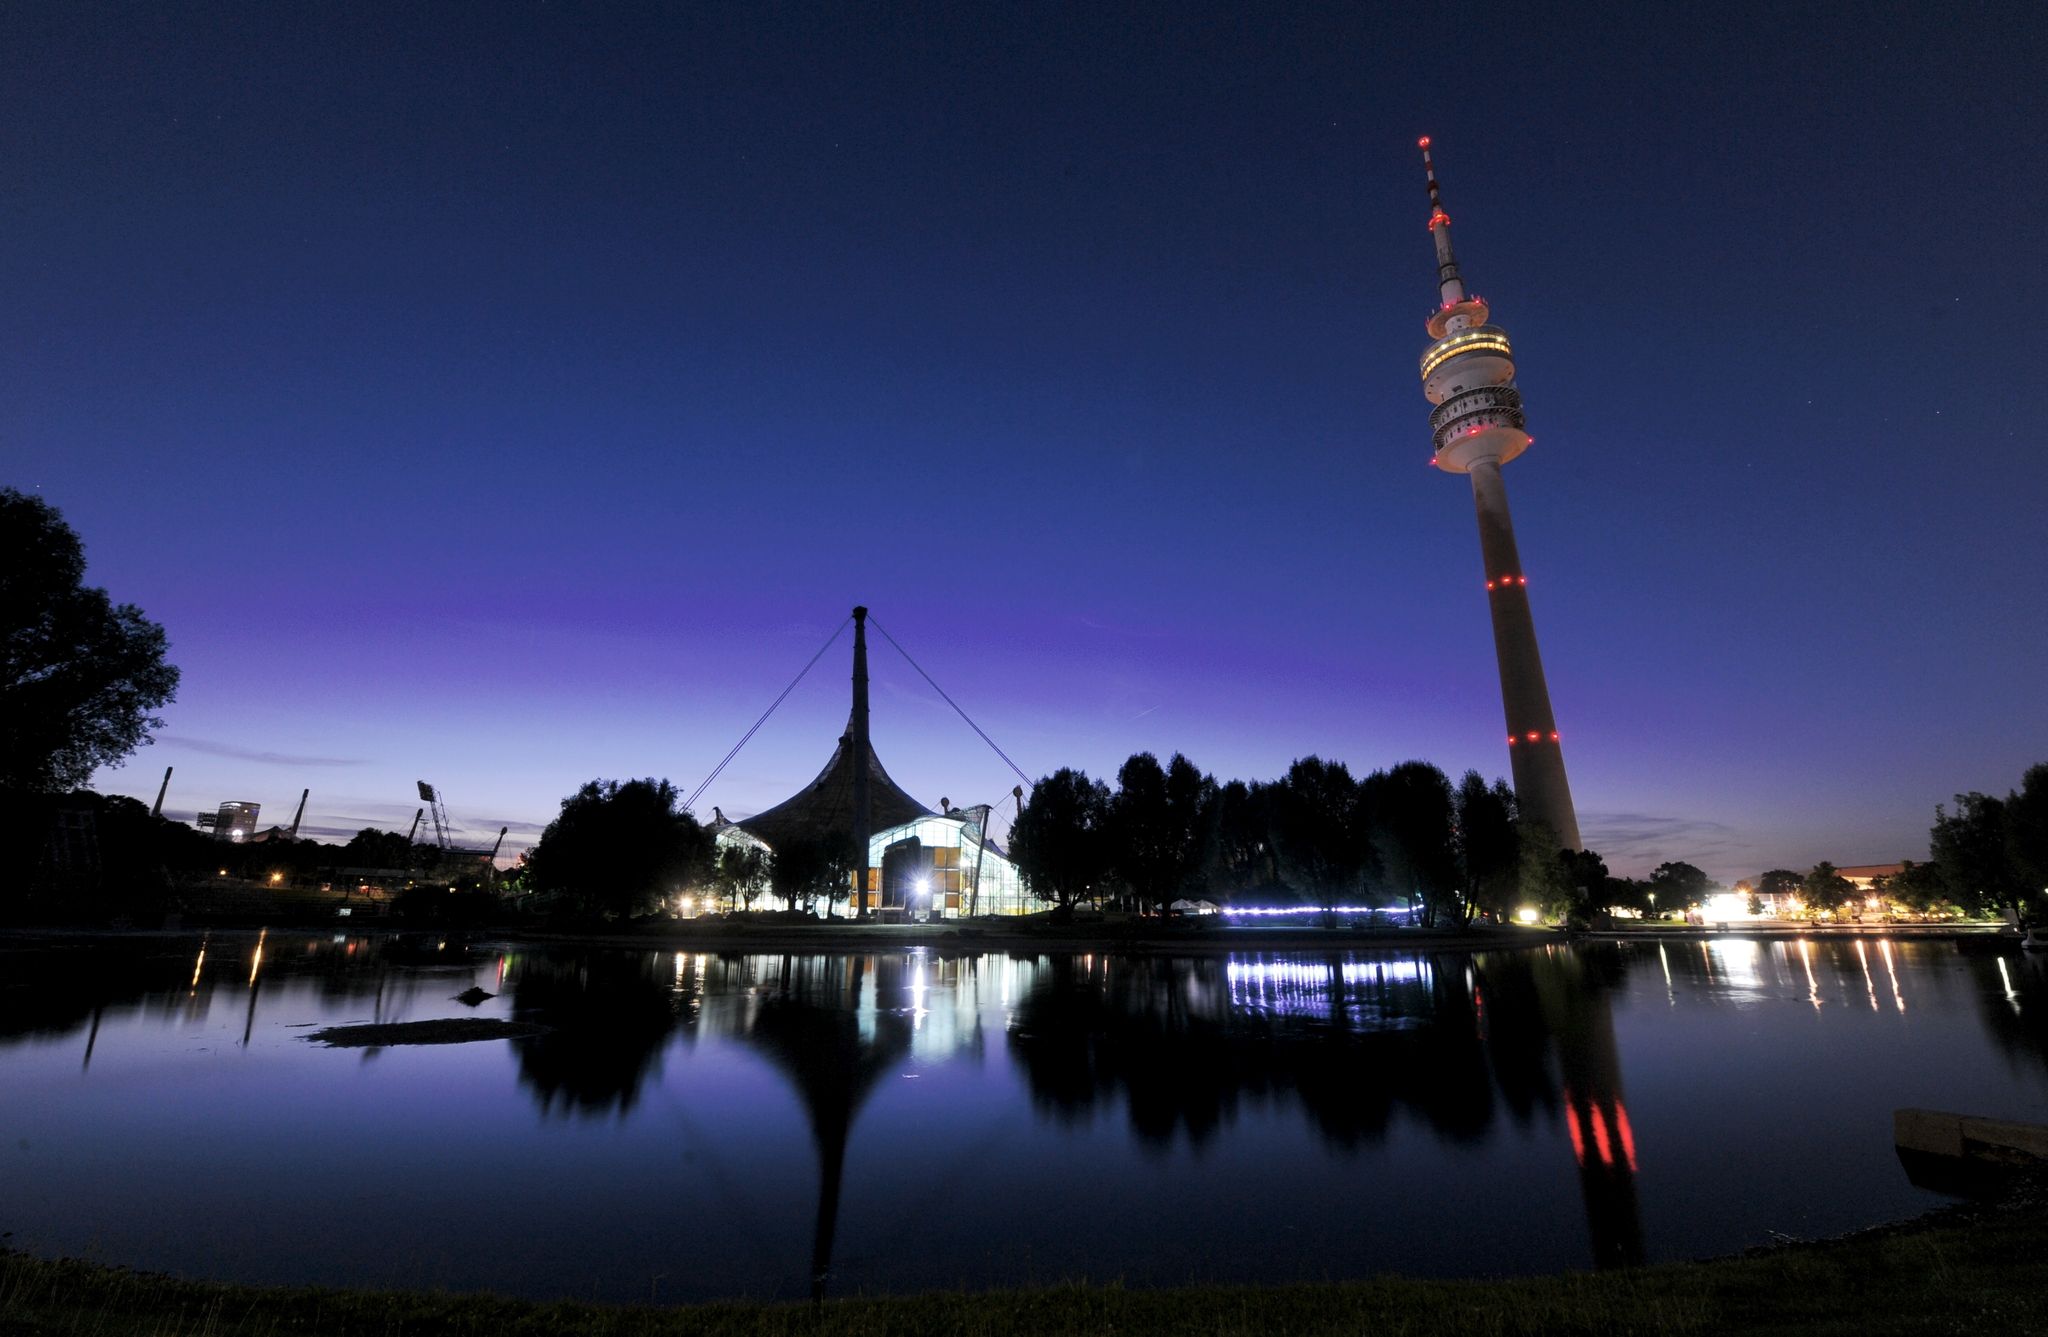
1468	372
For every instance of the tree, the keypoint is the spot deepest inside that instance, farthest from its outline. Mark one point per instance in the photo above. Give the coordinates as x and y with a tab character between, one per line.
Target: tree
1238	847
1778	884
1630	893
80	676
1824	887
1917	886
1485	845
742	874
1413	824
372	848
1680	886
1321	833
807	869
841	863
1060	840
620	848
1973	849
1156	820
1586	873
1542	876
2026	832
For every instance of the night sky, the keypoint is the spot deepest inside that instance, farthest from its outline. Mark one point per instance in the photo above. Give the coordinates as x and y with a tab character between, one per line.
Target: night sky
511	394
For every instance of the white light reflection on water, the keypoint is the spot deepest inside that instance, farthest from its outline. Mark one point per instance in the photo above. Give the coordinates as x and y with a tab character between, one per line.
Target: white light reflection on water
1884	949
2012	998
1812	984
1295	987
1738	961
918	961
1869	984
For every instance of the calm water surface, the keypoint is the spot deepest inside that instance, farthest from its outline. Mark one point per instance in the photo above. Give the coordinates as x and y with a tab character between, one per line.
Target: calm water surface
695	1126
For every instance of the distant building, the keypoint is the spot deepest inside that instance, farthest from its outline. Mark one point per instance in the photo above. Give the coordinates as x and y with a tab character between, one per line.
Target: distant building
1864	876
234	821
922	862
919	863
1792	904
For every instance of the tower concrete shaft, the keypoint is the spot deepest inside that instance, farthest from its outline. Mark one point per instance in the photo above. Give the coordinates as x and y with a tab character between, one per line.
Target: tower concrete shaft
1468	372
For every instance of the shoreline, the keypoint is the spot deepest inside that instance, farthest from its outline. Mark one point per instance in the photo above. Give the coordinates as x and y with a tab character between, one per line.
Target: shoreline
1136	938
1987	1259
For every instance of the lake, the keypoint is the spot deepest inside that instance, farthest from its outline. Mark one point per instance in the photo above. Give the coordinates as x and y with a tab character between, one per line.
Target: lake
694	1126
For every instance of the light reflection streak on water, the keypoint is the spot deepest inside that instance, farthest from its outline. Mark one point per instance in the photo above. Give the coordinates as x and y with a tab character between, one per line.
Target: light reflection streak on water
197	966
1303	987
1738	958
256	962
1664	960
2012	997
1812	984
917	989
1869	984
1884	949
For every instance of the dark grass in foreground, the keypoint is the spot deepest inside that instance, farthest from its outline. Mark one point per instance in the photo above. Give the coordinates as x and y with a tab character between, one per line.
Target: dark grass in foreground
1979	1272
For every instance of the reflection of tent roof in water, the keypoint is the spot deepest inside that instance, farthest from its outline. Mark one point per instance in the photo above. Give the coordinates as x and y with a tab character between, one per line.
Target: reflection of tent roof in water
807	1025
825	805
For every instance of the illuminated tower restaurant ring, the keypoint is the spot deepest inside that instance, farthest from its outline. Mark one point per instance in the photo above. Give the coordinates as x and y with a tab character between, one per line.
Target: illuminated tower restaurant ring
1468	372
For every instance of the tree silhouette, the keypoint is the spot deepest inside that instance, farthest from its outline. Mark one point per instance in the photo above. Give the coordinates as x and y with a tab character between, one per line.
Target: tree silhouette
1156	820
742	874
1973	848
1060	840
1321	831
1485	845
80	676
1412	813
619	848
807	869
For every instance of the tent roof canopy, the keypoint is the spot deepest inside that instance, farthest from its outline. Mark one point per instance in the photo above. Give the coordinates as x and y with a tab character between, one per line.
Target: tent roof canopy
825	805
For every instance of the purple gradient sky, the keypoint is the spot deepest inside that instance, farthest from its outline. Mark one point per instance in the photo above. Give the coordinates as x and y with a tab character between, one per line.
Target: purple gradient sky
513	394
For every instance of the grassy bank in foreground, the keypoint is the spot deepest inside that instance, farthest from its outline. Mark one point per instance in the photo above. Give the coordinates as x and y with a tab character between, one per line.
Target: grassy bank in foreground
1981	1271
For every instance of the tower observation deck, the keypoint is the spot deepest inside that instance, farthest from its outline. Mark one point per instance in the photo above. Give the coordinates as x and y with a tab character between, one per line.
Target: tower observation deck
1468	373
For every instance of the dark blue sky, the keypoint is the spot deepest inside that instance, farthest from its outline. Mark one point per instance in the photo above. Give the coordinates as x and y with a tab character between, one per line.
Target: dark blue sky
509	394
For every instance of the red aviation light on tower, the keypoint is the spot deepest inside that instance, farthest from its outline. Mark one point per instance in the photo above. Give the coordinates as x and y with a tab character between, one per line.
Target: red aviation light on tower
1423	142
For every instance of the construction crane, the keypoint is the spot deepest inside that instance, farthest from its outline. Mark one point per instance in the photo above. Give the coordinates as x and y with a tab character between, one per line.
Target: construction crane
432	798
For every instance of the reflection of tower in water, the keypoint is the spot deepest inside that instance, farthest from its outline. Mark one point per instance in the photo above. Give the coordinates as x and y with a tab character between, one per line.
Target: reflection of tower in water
1581	1024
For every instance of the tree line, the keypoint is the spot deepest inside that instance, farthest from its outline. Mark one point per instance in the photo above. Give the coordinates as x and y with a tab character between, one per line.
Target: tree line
1317	836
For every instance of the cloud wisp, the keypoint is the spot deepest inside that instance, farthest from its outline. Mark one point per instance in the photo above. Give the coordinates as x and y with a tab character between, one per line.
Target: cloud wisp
1625	837
213	749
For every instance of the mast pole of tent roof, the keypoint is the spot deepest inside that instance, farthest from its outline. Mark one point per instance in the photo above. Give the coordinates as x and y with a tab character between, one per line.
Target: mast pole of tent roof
862	819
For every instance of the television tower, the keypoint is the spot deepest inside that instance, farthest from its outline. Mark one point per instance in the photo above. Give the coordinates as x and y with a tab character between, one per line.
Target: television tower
1468	372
